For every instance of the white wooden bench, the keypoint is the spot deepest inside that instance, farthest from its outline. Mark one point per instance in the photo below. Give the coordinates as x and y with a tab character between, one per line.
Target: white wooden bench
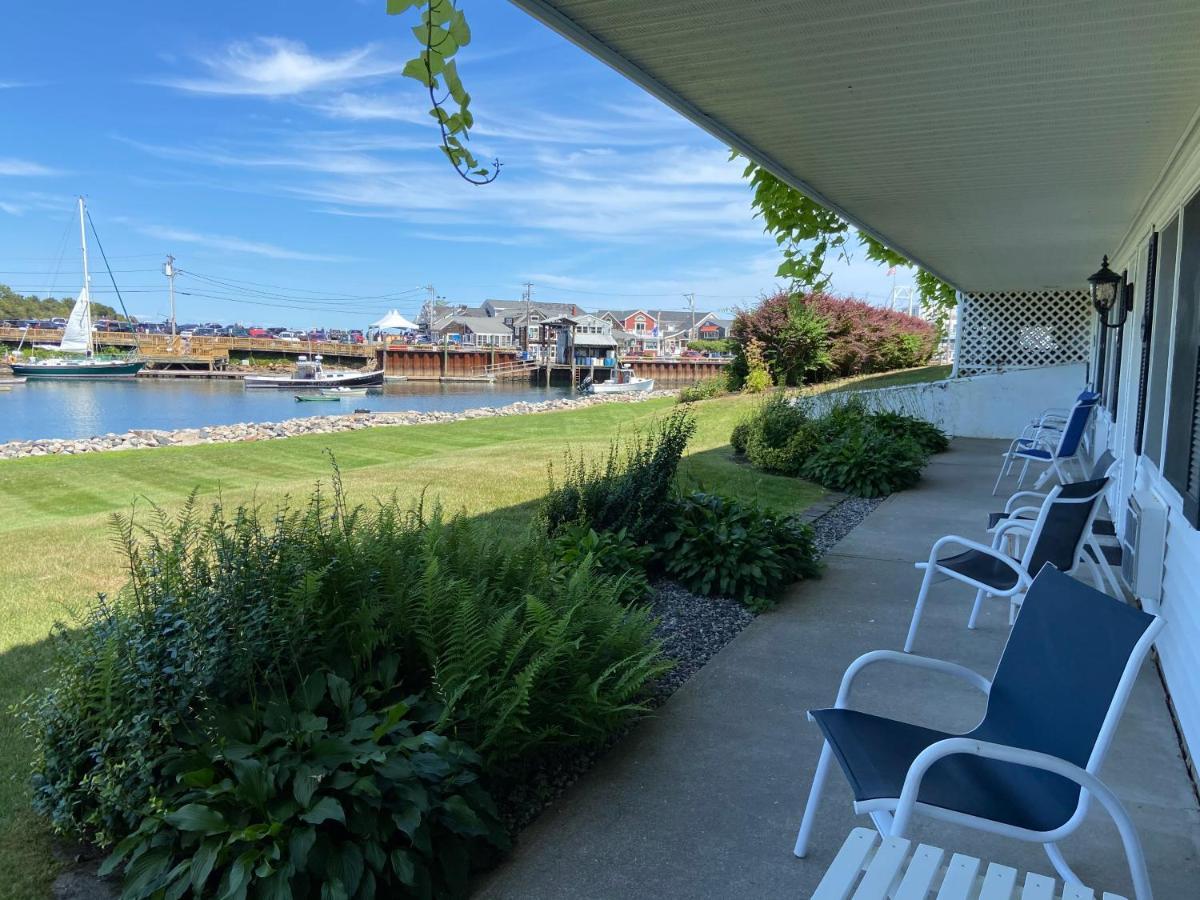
870	868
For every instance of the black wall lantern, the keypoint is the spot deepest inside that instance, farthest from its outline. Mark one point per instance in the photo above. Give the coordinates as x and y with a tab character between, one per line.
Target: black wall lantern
1108	292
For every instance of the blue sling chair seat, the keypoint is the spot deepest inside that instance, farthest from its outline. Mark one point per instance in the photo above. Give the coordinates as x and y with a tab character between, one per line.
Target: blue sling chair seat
1048	440
1030	767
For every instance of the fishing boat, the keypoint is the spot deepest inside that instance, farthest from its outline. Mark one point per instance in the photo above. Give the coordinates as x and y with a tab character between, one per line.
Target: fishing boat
339	392
623	381
309	374
78	345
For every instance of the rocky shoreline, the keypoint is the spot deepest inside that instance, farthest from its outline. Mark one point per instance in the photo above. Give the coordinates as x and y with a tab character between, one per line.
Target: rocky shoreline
143	439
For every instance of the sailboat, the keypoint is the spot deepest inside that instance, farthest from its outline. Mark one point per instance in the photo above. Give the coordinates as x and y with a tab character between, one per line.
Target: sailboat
78	338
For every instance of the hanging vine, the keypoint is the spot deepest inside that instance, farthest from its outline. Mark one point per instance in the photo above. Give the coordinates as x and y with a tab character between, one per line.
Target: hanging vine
443	29
808	233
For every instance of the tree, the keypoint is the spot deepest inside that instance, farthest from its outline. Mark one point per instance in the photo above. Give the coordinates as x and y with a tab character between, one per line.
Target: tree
28	306
808	233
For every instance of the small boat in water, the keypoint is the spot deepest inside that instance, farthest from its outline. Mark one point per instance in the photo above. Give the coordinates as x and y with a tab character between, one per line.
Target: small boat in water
623	381
316	398
78	339
310	373
338	392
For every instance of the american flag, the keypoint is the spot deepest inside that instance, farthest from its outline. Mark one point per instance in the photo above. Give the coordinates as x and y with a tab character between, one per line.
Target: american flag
892	270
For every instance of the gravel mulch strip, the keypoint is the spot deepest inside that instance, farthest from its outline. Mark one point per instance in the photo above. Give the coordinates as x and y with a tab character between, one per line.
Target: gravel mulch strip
693	630
841	520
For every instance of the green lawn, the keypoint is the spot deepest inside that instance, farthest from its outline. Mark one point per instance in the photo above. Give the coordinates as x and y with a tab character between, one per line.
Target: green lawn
896	379
57	549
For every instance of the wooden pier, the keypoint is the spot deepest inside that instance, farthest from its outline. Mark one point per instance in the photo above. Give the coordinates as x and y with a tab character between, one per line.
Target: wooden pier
232	347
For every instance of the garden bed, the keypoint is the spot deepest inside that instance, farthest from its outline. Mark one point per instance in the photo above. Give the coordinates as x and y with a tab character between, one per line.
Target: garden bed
693	630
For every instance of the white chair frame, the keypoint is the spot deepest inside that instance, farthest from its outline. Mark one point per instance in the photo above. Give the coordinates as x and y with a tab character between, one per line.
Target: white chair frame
1046	432
1033	529
893	816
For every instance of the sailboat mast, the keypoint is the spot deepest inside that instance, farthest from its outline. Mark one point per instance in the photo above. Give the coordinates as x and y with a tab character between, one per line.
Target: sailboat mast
87	278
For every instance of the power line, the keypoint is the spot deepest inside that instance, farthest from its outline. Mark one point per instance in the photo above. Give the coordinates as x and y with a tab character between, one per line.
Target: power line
53	274
317	295
290	306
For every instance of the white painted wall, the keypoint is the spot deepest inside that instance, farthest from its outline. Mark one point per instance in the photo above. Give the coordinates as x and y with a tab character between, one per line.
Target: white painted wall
987	406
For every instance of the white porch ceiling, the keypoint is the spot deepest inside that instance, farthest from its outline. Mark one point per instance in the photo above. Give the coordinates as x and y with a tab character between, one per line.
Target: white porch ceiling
1004	145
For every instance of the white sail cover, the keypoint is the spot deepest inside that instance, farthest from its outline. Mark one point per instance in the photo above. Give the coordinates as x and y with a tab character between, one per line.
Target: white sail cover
393	321
77	336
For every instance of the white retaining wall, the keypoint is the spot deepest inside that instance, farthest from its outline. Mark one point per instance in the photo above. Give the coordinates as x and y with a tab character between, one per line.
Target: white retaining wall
987	406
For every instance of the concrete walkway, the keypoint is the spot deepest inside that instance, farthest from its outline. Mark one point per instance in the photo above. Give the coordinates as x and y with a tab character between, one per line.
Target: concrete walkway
704	799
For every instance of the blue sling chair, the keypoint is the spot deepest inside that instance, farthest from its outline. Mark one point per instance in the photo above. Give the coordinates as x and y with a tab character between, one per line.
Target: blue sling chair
1104	559
1058	535
1049	440
1031	766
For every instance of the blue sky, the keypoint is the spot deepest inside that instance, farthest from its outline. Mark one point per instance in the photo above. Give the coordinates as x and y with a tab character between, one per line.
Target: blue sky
275	143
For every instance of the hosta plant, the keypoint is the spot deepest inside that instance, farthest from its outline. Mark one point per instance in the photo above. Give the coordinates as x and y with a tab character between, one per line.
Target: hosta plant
328	793
720	547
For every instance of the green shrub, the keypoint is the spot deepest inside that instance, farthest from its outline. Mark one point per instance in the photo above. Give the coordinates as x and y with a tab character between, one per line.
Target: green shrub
928	436
720	547
778	435
740	436
522	652
629	490
325	793
757	381
612	553
721	345
705	389
844	446
865	461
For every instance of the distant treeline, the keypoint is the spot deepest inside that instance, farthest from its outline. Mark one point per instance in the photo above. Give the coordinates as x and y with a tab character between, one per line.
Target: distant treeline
20	306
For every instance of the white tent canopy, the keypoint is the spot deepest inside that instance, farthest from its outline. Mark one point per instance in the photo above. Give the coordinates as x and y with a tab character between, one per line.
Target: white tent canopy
393	321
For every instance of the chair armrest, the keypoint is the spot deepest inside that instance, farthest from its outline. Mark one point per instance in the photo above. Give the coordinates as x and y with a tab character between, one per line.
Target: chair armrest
1035	495
1023	577
1034	760
1015	521
907	659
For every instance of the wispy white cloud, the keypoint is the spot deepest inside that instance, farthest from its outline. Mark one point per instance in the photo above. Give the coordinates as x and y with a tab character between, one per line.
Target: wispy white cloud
303	156
234	244
278	67
19	168
523	123
13	209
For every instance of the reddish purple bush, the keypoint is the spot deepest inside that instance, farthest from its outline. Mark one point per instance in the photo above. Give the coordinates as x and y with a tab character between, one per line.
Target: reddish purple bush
815	337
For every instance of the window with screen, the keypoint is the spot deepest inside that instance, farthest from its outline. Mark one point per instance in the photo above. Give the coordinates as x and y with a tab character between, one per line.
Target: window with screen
1160	341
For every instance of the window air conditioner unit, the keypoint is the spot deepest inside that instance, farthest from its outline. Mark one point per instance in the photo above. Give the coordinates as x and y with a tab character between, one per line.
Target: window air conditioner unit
1144	545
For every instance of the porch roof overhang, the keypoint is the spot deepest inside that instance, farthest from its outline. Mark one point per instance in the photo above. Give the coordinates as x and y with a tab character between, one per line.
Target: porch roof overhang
1001	145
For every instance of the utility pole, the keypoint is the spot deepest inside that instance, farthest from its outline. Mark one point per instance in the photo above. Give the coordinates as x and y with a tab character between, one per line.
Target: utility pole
169	271
691	299
528	312
428	309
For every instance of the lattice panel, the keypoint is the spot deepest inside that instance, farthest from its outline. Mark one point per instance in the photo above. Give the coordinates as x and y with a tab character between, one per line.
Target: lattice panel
1022	329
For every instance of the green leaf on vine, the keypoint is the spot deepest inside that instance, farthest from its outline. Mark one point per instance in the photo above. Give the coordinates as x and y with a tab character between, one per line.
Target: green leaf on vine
442	31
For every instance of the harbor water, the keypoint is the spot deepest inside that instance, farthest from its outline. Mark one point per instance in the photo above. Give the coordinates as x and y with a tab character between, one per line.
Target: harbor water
83	409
